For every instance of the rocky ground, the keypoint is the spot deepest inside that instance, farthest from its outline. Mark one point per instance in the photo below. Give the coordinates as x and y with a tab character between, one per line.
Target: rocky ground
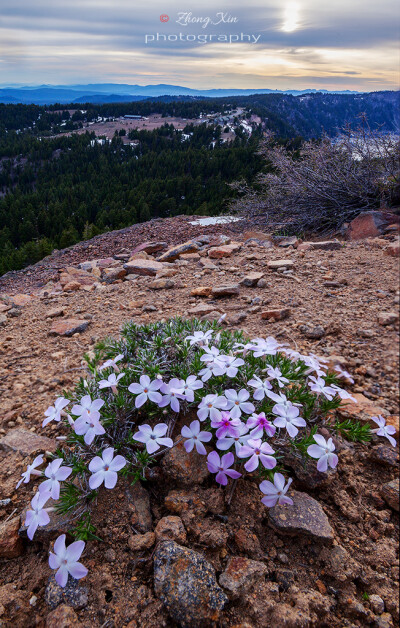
330	561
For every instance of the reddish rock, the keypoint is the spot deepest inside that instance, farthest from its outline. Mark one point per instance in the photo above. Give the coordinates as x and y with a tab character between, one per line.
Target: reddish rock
170	529
201	291
227	290
388	318
204	309
251	279
363	410
247	542
218	252
139	506
205	262
184	500
176	251
110	275
26	443
183	467
390	493
21	299
55	312
11	544
143	267
71	286
150	247
62	617
326	245
370	224
393	249
242	575
167	272
140	542
280	263
68	327
162	284
257	235
207	532
275	315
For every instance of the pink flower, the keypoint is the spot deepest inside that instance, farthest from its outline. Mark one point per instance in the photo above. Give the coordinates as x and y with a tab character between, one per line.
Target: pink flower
146	390
65	560
38	516
275	493
237	402
324	452
153	438
220	466
226	426
258	423
257	451
384	430
105	469
55	474
195	438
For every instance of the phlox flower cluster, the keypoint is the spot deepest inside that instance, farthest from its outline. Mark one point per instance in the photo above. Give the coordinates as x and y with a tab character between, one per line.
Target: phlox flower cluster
242	407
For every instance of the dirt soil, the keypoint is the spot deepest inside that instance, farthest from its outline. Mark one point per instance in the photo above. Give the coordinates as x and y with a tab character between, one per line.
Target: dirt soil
308	582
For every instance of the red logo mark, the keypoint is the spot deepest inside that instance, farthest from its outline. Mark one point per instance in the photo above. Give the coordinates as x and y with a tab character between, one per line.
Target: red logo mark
164	18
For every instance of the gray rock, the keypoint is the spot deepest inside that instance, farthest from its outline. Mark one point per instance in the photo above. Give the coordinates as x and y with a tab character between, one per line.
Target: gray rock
73	594
139	505
227	290
185	582
251	279
305	517
26	443
314	333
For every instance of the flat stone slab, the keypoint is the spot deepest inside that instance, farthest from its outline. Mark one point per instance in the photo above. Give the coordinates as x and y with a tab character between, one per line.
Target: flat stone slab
26	443
326	245
280	263
305	517
241	575
68	327
251	279
147	267
227	290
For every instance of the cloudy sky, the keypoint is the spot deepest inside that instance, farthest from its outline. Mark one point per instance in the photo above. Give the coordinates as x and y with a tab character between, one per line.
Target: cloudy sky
343	44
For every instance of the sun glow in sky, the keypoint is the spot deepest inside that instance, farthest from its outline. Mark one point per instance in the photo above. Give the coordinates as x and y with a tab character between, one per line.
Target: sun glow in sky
291	17
276	44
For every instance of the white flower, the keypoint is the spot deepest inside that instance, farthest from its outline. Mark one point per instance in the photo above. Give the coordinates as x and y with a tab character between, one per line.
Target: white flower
65	560
288	417
111	382
276	373
172	392
189	386
232	364
324	452
37	516
89	426
55	474
112	363
318	386
237	402
195	438
260	386
146	390
53	413
210	406
343	374
199	337
314	364
384	430
31	470
343	394
153	438
215	364
275	493
262	347
105	469
88	408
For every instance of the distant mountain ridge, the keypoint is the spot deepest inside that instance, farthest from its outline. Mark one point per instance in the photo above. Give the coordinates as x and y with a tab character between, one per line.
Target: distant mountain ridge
116	92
